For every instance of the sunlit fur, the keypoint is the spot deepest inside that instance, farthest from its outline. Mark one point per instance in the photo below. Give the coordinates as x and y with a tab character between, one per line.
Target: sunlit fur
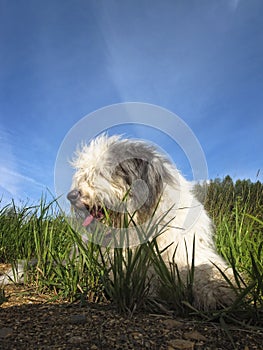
110	167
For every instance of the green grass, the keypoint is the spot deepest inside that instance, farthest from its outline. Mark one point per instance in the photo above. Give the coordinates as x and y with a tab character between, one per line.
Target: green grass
90	273
176	287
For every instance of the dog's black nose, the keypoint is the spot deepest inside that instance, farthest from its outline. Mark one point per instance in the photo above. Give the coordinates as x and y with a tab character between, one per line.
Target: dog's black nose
73	196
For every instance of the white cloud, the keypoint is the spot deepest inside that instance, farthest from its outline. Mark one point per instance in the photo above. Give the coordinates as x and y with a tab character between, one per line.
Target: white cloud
12	182
7	161
20	178
16	184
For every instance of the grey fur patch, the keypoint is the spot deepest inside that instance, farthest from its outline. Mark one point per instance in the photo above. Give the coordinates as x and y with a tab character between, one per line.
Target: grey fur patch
139	161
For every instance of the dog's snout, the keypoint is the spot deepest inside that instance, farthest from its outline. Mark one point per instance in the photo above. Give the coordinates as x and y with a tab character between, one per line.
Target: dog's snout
73	196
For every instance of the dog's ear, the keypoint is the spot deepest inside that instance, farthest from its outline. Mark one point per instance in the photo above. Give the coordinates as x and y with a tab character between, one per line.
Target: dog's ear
144	178
156	176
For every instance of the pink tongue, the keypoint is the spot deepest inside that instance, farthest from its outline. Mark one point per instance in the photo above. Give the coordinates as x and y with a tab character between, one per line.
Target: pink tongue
88	220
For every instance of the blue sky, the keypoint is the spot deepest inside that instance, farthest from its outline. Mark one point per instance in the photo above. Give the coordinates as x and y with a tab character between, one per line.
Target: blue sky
61	60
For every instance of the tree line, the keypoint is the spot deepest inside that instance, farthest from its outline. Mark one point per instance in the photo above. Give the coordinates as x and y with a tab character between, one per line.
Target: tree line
223	196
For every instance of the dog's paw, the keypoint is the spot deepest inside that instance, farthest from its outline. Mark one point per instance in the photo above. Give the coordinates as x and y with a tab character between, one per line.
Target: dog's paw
214	295
213	289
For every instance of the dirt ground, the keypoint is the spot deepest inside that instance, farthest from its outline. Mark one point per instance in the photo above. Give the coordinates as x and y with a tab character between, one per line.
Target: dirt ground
28	321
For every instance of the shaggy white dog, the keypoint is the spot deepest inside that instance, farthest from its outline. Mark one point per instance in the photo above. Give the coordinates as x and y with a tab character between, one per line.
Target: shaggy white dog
115	176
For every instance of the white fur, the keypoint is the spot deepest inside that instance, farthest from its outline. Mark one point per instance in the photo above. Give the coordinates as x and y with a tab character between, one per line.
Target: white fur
95	180
13	275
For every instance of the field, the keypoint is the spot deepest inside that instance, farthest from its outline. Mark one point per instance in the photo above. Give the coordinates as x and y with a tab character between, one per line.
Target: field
88	279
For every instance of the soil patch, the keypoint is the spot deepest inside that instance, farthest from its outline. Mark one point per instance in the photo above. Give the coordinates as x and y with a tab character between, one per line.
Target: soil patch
28	321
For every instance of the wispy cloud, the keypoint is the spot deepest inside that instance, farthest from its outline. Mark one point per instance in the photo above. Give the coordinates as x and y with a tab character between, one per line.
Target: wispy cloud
19	178
16	185
179	63
13	183
233	4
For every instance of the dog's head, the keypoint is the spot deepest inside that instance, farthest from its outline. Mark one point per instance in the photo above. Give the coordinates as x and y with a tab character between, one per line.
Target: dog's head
115	176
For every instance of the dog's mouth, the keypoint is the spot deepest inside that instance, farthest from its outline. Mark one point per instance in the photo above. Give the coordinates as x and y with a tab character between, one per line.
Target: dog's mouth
96	212
83	210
